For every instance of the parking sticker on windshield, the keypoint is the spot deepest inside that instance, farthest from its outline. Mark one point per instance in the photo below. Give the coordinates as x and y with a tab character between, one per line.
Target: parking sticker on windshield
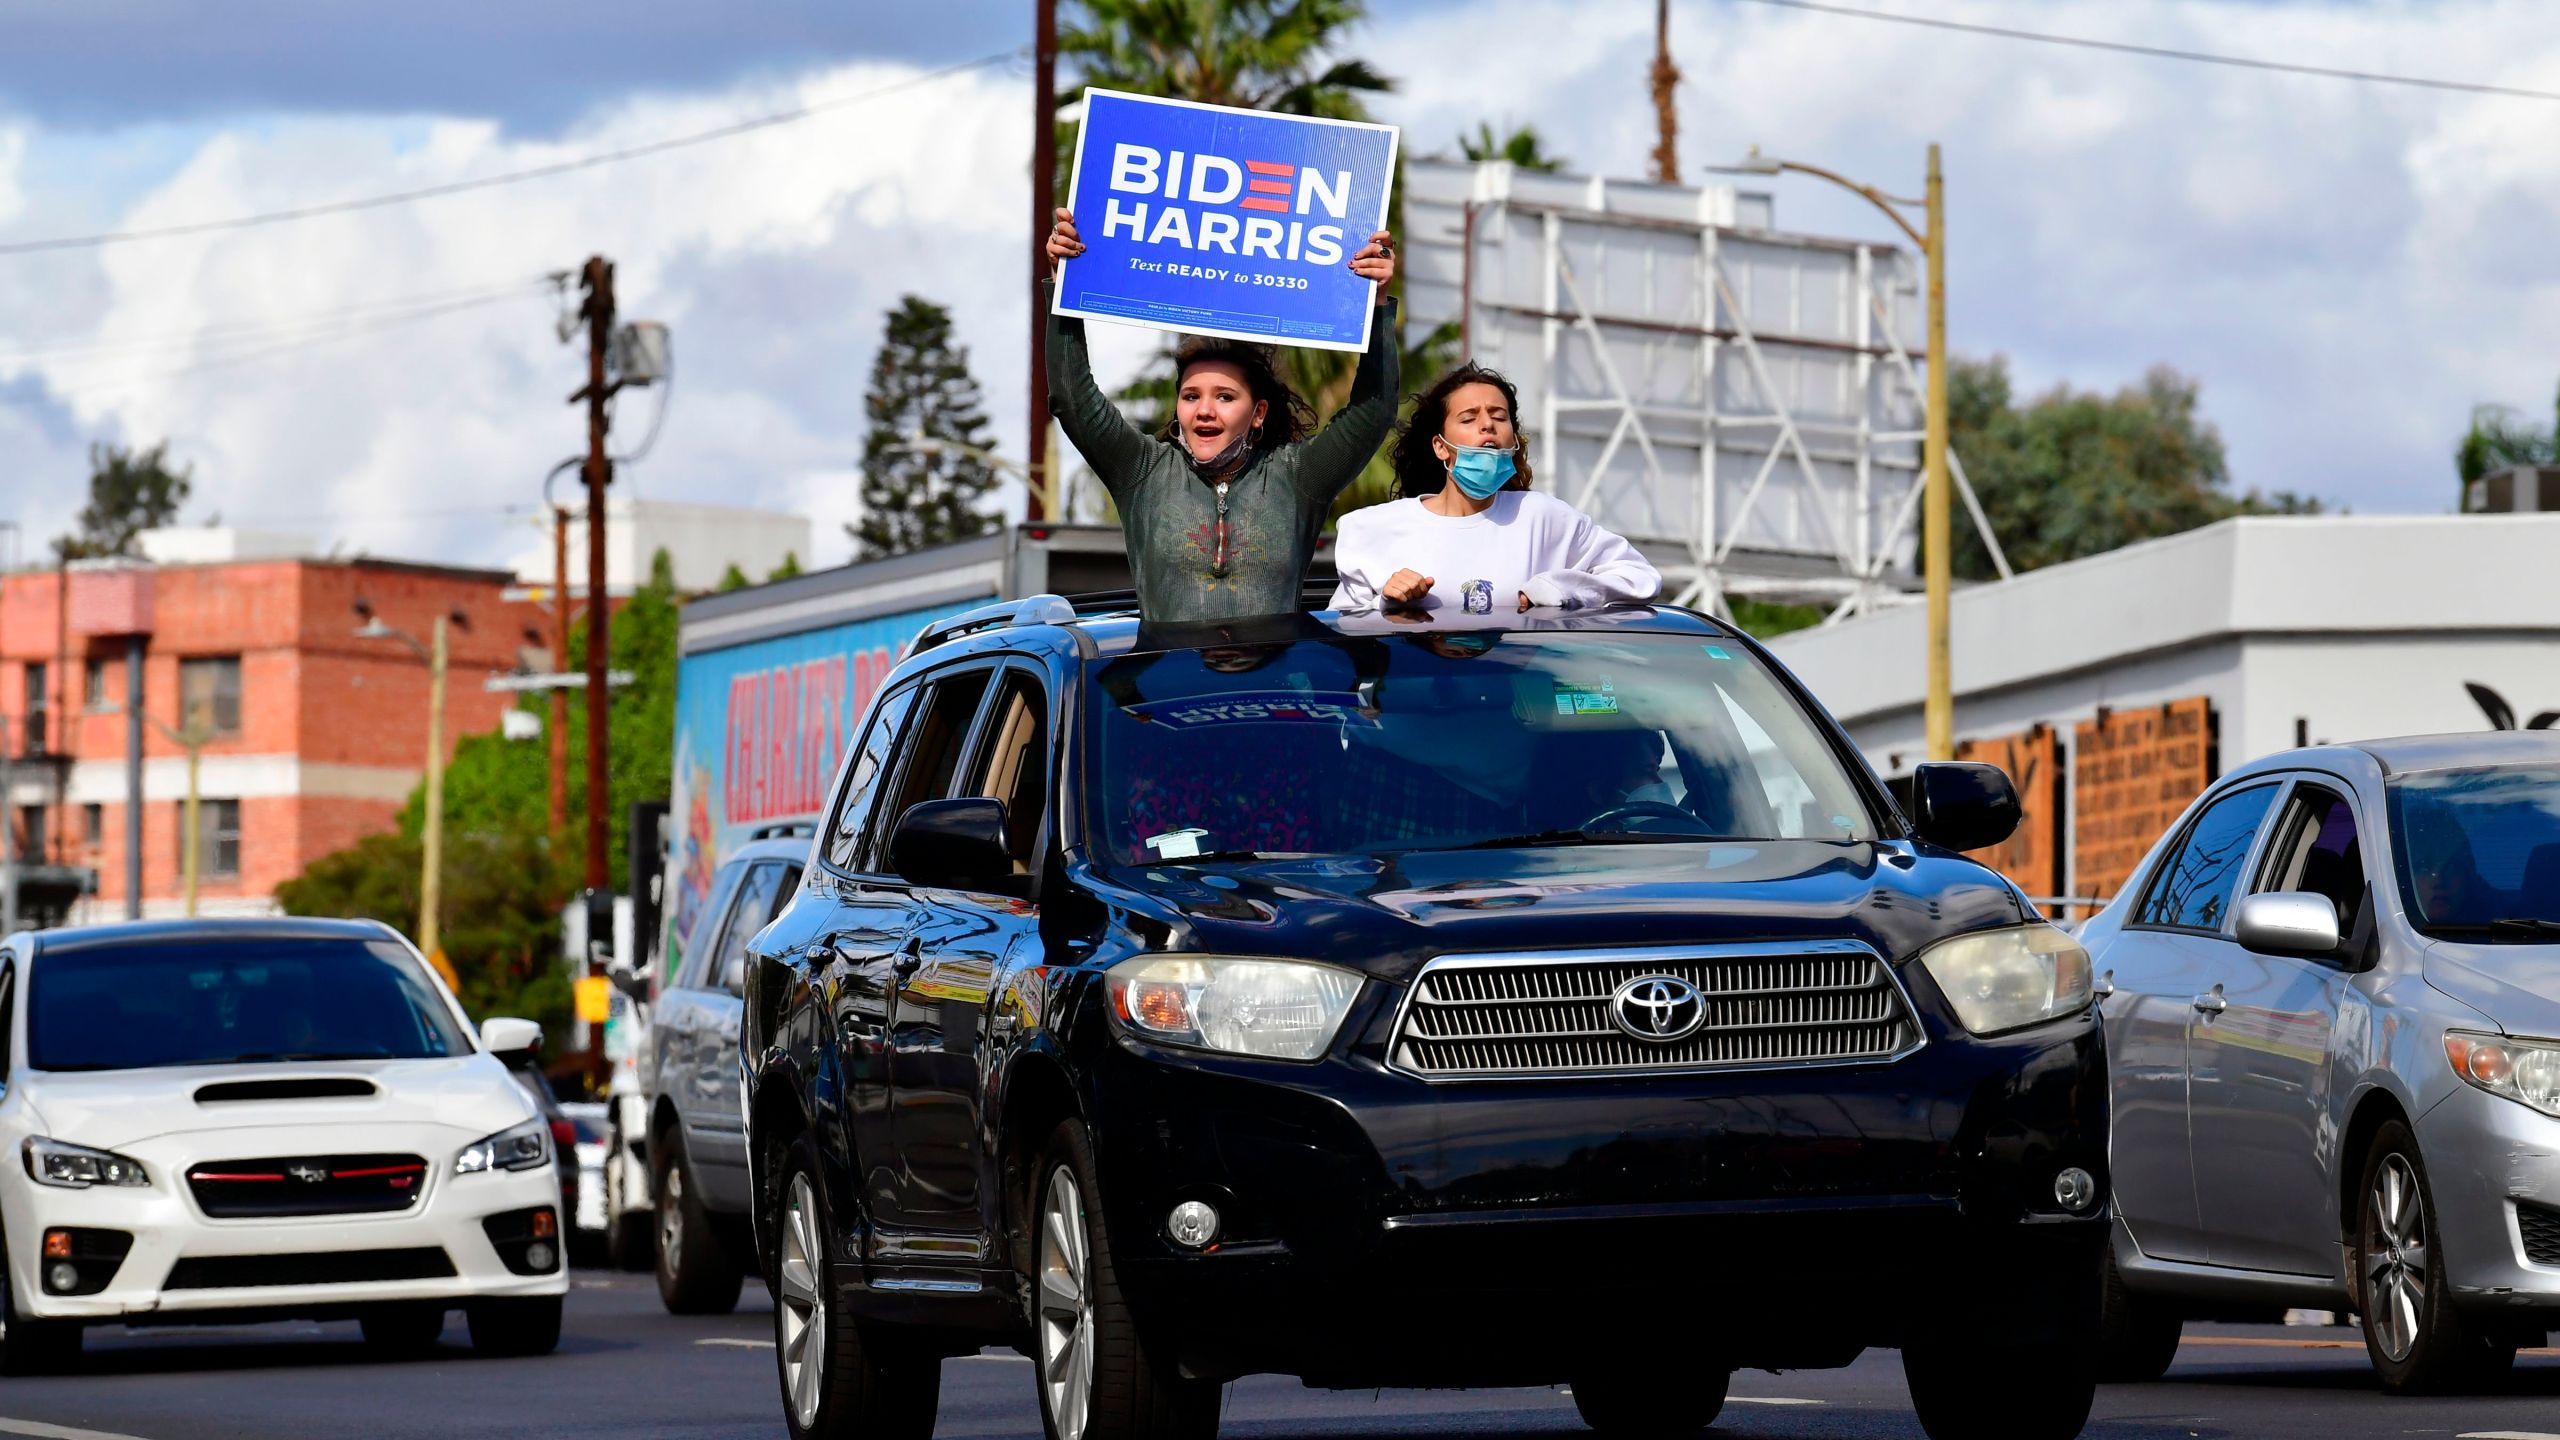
1573	699
1256	707
1176	844
1717	652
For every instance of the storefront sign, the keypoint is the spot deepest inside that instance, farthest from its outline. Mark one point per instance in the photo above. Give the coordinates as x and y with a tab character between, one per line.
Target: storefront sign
2132	774
1225	222
2032	856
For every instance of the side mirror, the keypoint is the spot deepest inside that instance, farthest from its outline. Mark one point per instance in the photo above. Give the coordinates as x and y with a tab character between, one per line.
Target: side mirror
630	982
1963	806
955	845
2289	922
505	1034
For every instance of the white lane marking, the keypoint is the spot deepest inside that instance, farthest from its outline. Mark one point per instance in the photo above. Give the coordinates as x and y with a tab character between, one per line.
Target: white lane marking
41	1431
999	1359
733	1343
1770	1400
2507	1435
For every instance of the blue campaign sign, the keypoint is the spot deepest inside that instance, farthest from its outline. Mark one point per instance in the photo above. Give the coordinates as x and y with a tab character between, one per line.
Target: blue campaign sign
1225	222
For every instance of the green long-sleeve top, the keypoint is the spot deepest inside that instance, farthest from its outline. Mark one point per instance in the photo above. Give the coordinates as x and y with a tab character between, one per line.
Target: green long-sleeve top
1276	504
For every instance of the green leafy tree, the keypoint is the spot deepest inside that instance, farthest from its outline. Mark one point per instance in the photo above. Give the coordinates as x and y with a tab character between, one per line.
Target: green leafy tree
505	878
2500	437
2074	473
130	491
789	568
1277	55
924	468
732	578
1523	147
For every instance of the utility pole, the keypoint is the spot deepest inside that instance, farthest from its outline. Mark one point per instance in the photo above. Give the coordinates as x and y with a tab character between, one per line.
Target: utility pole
1666	77
559	737
598	312
1937	568
133	777
431	882
1044	199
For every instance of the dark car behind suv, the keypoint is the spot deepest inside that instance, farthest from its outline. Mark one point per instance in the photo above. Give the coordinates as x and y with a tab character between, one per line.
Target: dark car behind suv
1561	1001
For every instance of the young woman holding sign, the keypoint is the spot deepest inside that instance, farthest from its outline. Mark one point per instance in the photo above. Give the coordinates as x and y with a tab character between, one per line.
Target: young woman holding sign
1470	536
1222	507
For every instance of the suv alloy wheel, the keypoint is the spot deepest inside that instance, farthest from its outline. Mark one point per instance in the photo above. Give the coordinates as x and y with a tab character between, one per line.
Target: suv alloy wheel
1098	1378
837	1377
694	1273
2420	1344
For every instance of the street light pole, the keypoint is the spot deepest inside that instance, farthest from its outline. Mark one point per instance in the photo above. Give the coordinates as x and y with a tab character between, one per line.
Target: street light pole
1937	567
599	315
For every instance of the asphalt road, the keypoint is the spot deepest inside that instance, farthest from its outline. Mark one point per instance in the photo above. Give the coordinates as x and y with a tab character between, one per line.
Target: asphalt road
627	1370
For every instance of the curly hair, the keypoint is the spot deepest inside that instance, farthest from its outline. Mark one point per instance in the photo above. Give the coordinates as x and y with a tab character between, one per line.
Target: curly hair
1418	471
1288	418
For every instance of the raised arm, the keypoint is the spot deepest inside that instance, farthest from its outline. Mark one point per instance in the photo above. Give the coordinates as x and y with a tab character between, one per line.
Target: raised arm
1094	425
1599	568
1336	456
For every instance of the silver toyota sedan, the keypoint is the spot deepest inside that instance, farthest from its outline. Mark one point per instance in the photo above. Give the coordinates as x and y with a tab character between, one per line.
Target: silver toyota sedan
2332	1008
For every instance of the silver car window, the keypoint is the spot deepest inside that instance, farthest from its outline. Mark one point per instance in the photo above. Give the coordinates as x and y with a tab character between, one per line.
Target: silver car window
2193	888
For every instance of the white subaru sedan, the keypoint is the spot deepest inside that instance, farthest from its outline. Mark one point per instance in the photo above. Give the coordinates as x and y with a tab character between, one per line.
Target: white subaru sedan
246	1120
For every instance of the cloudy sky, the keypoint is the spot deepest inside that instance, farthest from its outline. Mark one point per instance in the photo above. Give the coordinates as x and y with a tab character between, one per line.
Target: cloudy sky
2347	268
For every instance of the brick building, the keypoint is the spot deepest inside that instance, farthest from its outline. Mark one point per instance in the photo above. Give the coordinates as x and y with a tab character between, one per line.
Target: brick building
318	736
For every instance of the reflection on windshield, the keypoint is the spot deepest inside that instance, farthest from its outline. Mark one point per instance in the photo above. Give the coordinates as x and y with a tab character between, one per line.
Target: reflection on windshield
216	1002
1335	744
2479	851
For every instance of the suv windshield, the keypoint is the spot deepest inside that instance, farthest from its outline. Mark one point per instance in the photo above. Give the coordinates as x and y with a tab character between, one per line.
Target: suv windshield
1347	744
213	1002
2478	851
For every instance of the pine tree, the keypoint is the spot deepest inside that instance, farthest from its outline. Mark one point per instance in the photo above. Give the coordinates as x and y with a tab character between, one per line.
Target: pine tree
924	464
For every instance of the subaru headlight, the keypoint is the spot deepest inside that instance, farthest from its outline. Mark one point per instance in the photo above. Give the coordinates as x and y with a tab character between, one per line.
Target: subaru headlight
77	1167
2001	980
2525	1071
520	1147
1278	1009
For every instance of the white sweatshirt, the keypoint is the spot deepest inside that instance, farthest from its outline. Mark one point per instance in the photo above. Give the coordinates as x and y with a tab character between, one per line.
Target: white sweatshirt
1524	542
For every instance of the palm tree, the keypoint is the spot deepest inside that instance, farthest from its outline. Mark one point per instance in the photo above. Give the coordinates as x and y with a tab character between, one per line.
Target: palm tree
1523	147
1275	55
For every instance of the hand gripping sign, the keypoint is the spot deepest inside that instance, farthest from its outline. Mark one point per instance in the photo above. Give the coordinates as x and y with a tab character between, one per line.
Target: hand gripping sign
1225	222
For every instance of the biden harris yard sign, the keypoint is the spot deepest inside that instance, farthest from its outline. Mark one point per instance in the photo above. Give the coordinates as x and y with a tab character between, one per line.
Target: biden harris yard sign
1225	222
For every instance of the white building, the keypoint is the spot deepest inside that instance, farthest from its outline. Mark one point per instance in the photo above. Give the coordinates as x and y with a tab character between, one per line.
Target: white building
2293	630
702	540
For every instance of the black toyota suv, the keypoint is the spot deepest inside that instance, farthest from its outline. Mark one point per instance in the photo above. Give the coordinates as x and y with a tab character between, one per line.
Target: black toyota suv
1557	1001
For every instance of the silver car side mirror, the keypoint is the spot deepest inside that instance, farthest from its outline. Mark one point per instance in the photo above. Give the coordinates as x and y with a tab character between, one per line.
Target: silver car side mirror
2289	922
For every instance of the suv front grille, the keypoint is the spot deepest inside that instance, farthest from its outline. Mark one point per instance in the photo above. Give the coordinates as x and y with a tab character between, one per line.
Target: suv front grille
307	1185
2541	1227
1522	1016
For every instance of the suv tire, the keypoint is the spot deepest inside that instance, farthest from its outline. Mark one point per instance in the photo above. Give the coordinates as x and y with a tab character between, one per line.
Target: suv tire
403	1330
628	1239
694	1273
1110	1384
2137	1337
1974	1391
1647	1405
2420	1344
838	1376
529	1325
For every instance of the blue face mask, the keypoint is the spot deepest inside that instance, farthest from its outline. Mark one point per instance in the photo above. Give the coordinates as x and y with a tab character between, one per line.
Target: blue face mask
1482	470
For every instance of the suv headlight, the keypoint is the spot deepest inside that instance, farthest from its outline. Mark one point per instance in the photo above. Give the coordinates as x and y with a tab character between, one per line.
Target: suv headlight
2004	979
1278	1009
519	1147
2525	1071
77	1167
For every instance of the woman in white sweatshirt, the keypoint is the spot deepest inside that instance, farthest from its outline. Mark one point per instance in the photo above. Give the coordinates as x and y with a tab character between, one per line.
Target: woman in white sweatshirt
1470	536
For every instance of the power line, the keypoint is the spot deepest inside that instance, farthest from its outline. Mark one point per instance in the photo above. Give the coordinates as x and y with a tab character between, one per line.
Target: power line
490	182
2159	52
223	332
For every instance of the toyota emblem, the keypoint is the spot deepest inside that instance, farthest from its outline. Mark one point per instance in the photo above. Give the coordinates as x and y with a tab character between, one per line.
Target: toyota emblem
1659	1008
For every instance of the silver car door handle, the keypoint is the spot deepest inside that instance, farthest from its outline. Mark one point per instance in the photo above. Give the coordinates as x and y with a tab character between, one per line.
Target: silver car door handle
2211	1002
910	958
2103	986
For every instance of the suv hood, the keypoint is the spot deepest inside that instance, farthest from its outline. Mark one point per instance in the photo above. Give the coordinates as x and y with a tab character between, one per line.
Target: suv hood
1386	915
2516	986
107	1108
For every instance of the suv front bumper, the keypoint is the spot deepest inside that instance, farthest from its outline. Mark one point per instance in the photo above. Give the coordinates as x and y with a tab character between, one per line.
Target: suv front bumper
1376	1229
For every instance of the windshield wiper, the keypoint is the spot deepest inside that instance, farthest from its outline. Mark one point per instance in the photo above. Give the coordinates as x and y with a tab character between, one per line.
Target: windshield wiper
1569	837
265	1056
2517	925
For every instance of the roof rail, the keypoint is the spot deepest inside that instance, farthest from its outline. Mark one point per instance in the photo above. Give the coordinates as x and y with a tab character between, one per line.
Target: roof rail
1030	610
